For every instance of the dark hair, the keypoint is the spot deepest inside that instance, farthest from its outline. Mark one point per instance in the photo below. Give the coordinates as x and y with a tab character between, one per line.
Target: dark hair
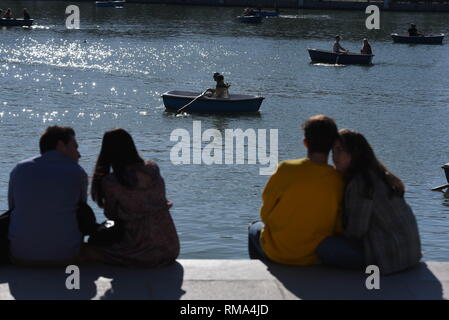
49	139
320	132
220	77
364	161
118	151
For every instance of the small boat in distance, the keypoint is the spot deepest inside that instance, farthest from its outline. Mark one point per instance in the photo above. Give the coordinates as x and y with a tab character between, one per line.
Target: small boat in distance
267	13
236	103
16	22
436	39
445	167
331	57
250	19
110	3
446	171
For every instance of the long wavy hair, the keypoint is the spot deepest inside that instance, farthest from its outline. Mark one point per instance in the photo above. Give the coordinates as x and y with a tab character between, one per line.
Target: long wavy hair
364	161
118	151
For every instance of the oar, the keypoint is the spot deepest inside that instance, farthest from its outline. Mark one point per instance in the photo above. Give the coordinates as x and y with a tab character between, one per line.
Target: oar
202	94
440	187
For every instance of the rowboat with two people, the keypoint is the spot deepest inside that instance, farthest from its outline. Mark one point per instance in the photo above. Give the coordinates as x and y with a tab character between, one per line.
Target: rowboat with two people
324	56
340	55
16	22
8	20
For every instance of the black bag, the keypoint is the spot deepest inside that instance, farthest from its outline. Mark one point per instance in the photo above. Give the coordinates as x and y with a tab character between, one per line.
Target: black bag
104	234
4	242
108	233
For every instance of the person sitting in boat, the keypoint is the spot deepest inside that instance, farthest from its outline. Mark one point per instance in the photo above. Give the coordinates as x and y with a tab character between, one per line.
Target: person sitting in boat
221	90
413	31
210	91
366	49
26	15
8	14
337	46
249	12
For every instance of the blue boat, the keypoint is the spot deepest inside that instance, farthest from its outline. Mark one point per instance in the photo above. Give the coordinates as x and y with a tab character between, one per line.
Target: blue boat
267	13
437	39
236	103
102	4
250	19
16	22
331	57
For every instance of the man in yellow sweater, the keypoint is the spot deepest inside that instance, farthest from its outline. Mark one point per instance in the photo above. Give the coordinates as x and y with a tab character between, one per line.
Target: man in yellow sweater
301	201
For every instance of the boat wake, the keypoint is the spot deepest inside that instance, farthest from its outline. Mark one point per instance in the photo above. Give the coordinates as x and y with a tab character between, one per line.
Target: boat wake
310	16
328	64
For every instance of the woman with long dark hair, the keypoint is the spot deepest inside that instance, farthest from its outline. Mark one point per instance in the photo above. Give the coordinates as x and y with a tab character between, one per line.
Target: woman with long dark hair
379	228
132	193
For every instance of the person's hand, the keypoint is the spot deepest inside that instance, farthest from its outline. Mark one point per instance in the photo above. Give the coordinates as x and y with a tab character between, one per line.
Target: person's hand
169	204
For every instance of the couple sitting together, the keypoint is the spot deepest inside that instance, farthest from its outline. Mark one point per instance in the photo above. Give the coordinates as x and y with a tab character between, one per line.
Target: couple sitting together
49	217
350	216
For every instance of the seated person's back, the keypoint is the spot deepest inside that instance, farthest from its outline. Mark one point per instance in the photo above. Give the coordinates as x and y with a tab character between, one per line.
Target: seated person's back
222	88
413	31
301	201
307	198
44	194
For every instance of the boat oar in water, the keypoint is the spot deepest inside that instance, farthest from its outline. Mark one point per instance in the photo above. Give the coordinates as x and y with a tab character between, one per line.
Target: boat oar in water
440	187
184	107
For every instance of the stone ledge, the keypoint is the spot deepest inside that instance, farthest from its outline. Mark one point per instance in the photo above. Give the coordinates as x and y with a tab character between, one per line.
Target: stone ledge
223	280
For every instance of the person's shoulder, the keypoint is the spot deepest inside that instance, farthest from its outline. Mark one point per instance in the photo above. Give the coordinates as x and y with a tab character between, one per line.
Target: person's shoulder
26	163
150	164
292	165
149	167
29	160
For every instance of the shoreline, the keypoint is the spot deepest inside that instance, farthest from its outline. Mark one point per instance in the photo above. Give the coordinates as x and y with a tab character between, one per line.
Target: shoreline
385	5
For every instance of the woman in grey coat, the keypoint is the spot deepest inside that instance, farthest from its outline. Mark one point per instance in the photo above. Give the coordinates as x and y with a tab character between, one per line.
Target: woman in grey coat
379	228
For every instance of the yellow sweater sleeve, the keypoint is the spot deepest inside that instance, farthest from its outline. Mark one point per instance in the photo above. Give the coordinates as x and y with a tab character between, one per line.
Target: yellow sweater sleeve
272	193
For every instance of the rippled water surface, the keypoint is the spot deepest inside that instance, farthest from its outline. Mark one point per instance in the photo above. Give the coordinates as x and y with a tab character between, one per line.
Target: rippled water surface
111	72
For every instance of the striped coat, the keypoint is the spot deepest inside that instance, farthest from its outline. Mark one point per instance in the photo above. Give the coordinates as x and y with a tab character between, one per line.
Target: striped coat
386	226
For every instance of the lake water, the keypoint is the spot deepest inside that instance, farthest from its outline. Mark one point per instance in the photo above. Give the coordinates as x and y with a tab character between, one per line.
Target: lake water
111	72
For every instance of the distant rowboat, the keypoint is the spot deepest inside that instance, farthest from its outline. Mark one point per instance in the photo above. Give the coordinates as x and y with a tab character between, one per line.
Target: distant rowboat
437	39
267	13
110	3
175	100
339	58
250	19
16	22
